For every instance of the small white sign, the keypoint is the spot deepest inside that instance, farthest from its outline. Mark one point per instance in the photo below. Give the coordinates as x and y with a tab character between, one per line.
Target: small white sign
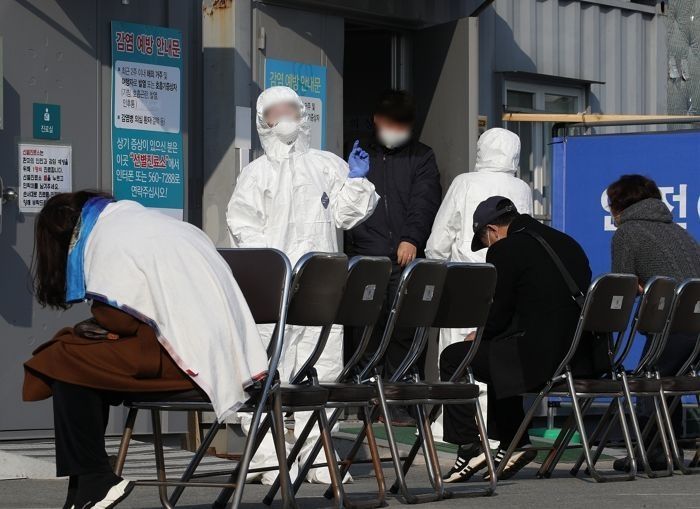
369	292
697	308
146	97
314	113
617	302
428	293
44	171
662	303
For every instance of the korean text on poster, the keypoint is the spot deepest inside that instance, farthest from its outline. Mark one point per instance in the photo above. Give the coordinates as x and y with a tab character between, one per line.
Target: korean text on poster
44	170
147	160
309	81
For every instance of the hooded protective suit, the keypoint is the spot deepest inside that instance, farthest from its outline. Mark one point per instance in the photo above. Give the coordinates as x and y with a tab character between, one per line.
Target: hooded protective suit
294	198
497	163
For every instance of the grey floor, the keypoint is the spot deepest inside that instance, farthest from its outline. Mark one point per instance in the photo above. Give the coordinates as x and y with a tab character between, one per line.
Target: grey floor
562	491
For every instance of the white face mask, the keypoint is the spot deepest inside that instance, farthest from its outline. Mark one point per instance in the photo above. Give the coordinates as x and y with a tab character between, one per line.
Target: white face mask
392	138
286	130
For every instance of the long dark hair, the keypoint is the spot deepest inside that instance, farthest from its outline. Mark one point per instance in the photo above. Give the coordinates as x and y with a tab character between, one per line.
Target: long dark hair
53	232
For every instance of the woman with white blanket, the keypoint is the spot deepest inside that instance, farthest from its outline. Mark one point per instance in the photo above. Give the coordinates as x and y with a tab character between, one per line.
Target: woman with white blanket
167	316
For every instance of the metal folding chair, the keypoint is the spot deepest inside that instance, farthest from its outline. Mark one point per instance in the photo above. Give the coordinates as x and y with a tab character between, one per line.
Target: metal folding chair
264	277
367	281
651	319
685	318
415	306
318	285
606	310
465	303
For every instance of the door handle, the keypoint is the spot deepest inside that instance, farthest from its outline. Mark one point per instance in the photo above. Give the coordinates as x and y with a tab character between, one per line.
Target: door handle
7	194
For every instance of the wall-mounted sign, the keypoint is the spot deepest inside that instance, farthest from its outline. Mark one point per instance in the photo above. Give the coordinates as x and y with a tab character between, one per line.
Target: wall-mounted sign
584	166
46	121
309	81
147	161
44	170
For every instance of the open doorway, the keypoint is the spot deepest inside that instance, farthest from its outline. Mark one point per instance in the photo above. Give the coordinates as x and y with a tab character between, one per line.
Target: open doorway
368	70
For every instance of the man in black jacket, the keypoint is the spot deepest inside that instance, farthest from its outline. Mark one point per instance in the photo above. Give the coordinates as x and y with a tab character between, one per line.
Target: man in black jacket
406	177
528	332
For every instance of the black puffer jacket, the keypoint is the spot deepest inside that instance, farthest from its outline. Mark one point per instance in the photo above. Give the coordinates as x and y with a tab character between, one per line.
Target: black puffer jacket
408	182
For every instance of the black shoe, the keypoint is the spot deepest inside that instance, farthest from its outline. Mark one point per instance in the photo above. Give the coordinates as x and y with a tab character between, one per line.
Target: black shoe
470	459
517	461
400	418
656	462
101	491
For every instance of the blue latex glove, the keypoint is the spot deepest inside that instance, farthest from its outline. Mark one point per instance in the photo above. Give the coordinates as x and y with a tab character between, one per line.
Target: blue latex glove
358	161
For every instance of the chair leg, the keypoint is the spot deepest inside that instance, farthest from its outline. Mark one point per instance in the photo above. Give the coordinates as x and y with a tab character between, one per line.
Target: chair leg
331	461
288	500
195	461
561	444
490	466
675	449
429	452
663	437
521	431
605	426
125	441
296	449
160	459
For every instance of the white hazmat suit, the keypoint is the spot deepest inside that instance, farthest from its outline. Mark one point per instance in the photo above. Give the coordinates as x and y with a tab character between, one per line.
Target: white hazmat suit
294	198
497	163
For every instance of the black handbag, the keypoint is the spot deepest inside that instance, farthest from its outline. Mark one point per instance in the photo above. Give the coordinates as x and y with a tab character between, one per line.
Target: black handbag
90	329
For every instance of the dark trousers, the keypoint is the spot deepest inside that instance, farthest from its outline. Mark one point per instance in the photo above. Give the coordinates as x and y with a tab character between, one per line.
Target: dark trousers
80	419
678	349
401	339
504	414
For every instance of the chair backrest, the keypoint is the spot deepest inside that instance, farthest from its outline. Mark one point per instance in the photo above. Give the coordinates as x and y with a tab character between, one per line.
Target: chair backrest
318	283
419	293
415	305
650	318
655	305
365	291
262	275
684	319
686	312
606	309
609	303
466	296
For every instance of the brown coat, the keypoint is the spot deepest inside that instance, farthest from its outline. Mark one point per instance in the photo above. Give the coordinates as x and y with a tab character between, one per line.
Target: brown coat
135	362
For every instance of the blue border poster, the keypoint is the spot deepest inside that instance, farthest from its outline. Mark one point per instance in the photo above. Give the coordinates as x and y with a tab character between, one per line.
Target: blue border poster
147	160
309	81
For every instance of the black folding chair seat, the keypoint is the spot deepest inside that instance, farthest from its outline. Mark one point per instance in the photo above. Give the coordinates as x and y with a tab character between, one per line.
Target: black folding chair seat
349	393
684	384
302	395
606	386
154	398
452	391
401	391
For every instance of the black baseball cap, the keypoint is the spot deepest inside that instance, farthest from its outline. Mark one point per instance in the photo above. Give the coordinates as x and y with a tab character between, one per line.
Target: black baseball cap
488	211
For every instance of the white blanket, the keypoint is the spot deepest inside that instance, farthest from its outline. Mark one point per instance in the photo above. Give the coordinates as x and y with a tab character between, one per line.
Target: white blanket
168	274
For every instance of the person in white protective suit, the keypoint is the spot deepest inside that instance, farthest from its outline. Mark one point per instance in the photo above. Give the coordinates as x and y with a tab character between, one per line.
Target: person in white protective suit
294	198
495	174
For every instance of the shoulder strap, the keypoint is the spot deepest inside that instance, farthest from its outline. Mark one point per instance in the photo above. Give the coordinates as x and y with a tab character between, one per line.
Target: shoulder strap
575	291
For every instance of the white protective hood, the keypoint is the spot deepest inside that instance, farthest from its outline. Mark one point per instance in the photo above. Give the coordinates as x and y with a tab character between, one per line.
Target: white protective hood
274	148
498	150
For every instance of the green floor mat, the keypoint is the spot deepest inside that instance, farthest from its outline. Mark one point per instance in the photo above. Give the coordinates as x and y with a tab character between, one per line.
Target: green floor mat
407	436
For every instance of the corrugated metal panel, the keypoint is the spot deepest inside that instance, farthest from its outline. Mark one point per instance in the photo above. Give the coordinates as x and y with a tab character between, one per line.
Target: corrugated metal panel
624	48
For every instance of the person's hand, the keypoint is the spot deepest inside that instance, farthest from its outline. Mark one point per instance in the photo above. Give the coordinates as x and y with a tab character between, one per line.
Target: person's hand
406	253
358	161
640	289
471	336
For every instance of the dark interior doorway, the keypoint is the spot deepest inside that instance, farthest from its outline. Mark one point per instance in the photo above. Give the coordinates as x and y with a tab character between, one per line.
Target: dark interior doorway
367	73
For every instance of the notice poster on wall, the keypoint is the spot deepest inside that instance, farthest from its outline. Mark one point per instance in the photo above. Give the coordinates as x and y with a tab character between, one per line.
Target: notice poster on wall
147	160
44	170
309	81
